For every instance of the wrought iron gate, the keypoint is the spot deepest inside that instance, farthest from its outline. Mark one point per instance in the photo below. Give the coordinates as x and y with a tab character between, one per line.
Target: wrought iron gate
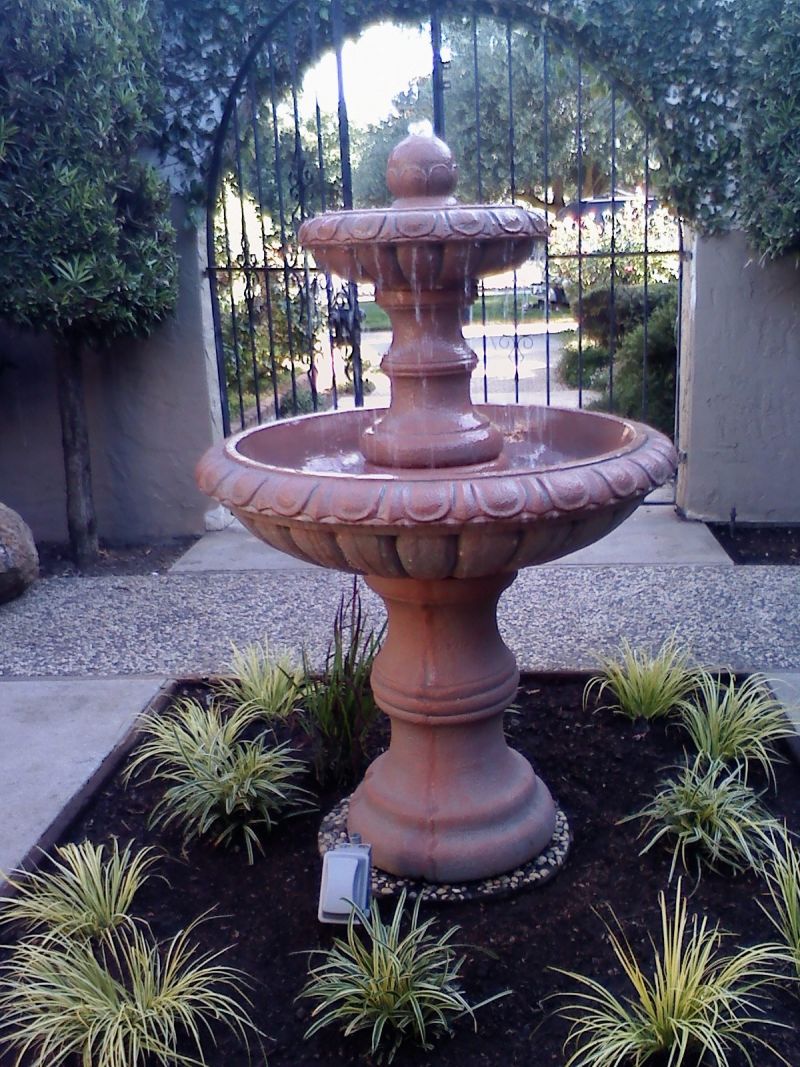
528	121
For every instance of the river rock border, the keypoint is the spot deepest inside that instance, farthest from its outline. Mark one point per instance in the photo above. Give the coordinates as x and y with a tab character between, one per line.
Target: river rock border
333	832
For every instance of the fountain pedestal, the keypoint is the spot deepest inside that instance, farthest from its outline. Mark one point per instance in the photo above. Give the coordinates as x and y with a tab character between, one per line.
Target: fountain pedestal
449	801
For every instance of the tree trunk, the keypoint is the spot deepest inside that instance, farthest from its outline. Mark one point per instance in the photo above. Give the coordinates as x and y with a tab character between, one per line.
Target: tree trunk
81	520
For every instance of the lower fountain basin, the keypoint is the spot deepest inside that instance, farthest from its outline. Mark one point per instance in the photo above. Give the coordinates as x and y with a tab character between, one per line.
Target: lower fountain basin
565	479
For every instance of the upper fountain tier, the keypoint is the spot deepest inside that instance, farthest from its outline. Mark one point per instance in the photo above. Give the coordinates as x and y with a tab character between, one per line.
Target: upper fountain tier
424	255
426	240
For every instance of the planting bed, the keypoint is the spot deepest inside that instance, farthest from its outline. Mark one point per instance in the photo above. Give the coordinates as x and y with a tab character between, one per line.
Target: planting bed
598	766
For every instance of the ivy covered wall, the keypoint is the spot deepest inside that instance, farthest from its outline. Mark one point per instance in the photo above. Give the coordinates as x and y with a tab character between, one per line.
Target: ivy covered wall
717	81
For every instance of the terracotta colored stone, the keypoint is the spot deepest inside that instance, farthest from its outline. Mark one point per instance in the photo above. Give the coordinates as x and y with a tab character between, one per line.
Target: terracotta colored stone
439	502
19	560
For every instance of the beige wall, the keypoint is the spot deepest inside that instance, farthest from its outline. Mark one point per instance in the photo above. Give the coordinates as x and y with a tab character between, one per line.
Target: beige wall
740	385
153	408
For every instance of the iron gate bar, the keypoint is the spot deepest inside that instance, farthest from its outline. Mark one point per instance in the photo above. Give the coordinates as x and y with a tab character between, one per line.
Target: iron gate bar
354	314
246	264
579	137
264	257
645	279
513	182
546	162
479	191
437	74
612	333
234	317
287	301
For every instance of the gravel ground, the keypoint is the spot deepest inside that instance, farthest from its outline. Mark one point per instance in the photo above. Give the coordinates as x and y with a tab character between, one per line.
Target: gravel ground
552	618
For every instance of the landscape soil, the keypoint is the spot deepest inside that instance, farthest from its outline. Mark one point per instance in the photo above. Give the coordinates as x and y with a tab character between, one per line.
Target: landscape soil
600	767
776	545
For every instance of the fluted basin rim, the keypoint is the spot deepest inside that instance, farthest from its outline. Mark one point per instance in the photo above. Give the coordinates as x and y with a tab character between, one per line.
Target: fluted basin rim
452	497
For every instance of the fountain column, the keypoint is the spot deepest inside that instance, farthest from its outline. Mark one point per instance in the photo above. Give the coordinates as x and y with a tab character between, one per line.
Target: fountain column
449	801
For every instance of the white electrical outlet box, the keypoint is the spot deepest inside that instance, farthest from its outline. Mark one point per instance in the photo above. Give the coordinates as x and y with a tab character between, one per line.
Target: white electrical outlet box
346	880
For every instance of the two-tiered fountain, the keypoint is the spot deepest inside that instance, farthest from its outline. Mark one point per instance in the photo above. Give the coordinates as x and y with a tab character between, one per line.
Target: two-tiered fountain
439	503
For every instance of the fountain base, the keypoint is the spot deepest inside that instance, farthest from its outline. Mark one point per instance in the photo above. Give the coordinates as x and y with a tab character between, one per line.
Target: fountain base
449	801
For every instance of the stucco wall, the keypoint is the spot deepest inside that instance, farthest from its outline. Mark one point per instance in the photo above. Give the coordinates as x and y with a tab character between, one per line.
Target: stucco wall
740	385
153	408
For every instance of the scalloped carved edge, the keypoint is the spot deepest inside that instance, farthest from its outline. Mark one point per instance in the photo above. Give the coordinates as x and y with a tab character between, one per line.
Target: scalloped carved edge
460	223
523	497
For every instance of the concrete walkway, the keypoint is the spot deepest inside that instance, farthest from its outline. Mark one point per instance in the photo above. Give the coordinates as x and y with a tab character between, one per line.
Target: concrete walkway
81	657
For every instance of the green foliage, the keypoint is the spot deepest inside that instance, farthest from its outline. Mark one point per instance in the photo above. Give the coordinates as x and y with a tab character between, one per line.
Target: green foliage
770	117
733	723
661	346
263	683
696	1004
126	1002
219	783
86	894
399	981
708	812
87	243
644	686
782	874
339	707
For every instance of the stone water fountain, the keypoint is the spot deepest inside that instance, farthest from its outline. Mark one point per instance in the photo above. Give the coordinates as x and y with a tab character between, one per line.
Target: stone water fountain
438	502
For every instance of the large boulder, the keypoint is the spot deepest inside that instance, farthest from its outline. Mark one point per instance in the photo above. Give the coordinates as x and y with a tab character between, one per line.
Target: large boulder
19	560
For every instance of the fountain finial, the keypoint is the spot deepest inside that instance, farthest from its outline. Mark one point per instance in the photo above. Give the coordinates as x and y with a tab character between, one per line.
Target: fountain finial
421	168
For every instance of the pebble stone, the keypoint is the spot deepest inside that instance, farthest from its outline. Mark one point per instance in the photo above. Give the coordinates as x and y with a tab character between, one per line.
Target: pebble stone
333	832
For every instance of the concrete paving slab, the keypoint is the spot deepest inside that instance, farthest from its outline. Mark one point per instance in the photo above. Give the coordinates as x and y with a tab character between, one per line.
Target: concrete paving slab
654	534
54	736
786	687
236	549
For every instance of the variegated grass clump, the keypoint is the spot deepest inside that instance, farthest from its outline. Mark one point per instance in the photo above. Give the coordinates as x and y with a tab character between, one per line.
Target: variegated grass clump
219	783
398	981
122	1002
695	1003
87	891
708	812
263	682
782	875
734	723
641	685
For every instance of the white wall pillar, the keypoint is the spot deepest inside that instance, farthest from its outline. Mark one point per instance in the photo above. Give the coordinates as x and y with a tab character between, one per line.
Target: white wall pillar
740	385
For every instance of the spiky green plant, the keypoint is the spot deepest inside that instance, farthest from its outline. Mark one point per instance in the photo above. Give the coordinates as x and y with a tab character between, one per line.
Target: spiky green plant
218	783
267	684
782	874
339	708
707	810
695	1004
734	723
398	981
86	892
642	685
123	1003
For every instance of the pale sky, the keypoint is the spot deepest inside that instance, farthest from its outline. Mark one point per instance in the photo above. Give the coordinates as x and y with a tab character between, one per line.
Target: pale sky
378	66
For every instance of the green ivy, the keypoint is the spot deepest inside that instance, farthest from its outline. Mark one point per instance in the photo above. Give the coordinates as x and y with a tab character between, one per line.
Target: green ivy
686	66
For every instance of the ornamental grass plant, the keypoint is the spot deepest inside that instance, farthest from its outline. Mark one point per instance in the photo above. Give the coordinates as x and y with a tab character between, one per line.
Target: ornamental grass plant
86	891
782	874
220	783
734	723
123	1002
708	813
641	685
398	980
263	682
695	1005
339	708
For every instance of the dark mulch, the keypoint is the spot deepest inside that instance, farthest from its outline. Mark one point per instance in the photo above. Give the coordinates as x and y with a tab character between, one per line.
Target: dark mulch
55	560
599	766
777	545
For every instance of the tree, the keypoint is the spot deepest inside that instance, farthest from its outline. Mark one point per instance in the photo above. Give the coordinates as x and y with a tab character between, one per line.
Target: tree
492	126
88	250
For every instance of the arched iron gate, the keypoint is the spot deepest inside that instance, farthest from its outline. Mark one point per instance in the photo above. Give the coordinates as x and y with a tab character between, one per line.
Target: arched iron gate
528	121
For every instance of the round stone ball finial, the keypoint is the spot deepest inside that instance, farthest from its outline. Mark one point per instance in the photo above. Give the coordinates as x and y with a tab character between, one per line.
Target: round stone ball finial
422	168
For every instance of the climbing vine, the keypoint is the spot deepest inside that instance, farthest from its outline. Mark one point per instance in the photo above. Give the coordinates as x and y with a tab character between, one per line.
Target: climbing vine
685	66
